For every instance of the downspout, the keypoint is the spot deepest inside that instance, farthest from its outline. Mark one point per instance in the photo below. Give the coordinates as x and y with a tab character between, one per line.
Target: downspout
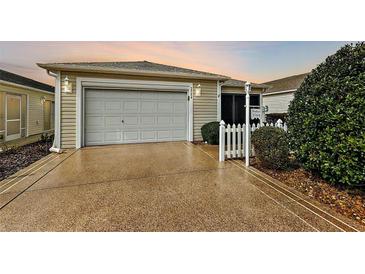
56	147
248	126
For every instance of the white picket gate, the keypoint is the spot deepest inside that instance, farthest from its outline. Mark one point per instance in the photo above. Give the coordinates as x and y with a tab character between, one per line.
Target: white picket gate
232	139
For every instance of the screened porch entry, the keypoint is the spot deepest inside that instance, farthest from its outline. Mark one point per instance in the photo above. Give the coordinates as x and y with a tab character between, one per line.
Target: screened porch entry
234	108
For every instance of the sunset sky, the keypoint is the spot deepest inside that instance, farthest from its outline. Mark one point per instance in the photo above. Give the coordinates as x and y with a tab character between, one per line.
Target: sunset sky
253	61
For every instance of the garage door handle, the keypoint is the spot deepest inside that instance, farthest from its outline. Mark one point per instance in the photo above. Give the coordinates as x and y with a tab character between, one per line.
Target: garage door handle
122	121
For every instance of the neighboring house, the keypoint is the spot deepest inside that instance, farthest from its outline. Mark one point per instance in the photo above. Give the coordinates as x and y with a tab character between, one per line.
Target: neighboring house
26	107
280	92
135	102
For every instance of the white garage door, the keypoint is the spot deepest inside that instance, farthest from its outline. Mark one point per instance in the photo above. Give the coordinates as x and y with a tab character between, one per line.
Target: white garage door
116	117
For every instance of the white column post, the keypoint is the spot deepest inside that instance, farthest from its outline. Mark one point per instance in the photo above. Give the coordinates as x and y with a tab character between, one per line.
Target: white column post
262	119
222	132
248	130
219	100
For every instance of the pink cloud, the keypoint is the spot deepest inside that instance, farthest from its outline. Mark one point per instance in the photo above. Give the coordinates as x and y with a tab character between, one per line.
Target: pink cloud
21	57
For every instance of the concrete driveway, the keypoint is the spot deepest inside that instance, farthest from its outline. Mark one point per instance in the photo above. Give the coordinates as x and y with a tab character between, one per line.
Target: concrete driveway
151	187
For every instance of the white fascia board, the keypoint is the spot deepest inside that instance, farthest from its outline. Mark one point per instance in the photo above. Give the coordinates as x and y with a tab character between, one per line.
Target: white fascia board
136	72
279	92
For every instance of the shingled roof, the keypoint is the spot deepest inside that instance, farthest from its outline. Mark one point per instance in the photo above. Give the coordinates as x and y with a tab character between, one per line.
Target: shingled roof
134	68
240	83
21	80
285	84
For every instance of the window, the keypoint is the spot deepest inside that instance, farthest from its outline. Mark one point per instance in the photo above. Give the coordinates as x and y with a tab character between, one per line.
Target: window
48	114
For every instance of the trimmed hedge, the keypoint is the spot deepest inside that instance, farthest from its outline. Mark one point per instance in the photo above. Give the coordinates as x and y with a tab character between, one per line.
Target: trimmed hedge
210	133
271	147
326	119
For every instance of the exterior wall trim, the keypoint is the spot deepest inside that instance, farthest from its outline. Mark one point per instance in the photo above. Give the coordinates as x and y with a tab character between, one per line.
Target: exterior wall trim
82	82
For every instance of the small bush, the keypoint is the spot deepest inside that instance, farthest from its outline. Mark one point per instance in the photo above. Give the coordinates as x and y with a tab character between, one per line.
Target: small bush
210	133
271	147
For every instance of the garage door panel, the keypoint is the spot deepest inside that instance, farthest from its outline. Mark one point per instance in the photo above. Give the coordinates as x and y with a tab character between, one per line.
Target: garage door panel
94	137
131	121
165	107
148	106
148	135
94	121
147	95
147	120
94	106
180	121
163	121
112	136
112	122
179	133
131	106
180	107
131	136
164	135
113	107
113	117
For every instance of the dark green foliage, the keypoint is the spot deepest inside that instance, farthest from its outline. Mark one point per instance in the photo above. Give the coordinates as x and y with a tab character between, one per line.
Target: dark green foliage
326	123
271	147
210	133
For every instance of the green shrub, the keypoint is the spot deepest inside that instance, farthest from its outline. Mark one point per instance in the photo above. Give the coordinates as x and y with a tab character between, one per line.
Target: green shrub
210	133
326	121
271	147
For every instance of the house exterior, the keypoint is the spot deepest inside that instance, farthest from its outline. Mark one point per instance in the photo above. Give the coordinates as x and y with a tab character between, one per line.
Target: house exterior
280	93
26	107
135	102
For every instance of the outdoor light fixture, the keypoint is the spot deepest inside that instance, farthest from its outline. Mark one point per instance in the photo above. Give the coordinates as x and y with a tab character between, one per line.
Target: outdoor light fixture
43	100
198	91
67	86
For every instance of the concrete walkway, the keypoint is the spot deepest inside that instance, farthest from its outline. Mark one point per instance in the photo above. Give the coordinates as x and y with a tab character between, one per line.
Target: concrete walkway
150	187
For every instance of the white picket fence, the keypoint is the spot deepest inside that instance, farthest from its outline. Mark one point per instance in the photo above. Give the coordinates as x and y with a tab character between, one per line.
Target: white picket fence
232	139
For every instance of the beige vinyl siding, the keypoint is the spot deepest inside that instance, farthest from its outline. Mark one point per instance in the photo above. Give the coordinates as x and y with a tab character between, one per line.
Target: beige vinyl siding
278	103
204	107
35	119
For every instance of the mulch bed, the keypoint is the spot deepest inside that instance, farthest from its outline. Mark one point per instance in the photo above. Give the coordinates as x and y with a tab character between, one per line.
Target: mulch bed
347	201
18	158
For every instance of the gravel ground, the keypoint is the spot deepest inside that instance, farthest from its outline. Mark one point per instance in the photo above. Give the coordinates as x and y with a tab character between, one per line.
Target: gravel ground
347	201
21	157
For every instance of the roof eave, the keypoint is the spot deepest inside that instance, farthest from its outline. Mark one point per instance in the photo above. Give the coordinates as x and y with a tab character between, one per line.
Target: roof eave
253	85
133	72
25	87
